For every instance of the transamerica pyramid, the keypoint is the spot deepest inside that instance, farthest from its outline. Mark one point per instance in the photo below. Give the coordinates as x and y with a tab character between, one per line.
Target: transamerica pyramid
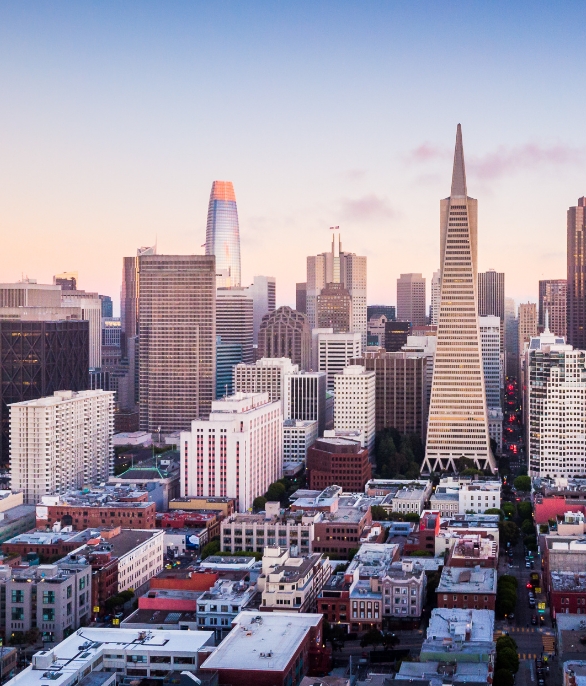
458	425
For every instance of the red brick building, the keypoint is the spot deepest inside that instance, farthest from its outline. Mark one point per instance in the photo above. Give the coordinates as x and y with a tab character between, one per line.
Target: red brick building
567	592
338	461
469	589
48	546
127	515
186	519
424	538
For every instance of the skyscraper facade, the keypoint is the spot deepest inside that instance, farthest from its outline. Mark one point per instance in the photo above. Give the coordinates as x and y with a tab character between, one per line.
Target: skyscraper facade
347	269
553	299
527	324
228	356
436	280
223	234
334	308
129	297
235	319
491	294
576	256
458	424
301	297
511	339
67	281
411	299
91	310
285	333
177	340
263	292
396	334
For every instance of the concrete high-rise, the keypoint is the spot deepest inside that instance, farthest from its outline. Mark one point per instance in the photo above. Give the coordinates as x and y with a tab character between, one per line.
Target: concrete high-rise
129	297
553	299
304	397
223	234
177	339
511	339
337	266
37	358
263	292
228	357
436	281
493	365
333	351
527	324
285	333
61	442
411	299
396	334
301	297
334	308
458	423
67	281
354	402
491	299
576	256
91	310
235	319
266	375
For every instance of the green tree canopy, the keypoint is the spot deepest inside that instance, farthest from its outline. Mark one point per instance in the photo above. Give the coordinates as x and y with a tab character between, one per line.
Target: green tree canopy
507	658
210	548
503	677
379	514
523	483
259	503
371	638
505	642
494	511
509	533
275	492
525	510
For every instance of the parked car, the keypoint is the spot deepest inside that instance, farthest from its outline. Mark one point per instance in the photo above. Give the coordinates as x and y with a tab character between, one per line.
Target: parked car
528	565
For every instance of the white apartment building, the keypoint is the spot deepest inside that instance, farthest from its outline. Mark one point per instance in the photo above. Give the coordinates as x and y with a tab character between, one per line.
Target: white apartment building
266	375
252	532
305	398
298	436
478	496
333	351
354	402
237	452
91	310
140	556
61	442
556	391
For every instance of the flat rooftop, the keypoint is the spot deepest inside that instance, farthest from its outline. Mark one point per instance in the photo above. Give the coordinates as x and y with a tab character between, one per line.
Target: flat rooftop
461	580
262	641
436	672
568	581
449	623
577	668
128	539
157	618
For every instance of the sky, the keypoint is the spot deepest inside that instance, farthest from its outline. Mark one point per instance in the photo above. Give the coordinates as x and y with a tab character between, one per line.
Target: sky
115	118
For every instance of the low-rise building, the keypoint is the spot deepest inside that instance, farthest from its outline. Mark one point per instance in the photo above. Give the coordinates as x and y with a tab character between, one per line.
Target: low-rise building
15	521
460	636
110	653
224	506
56	599
446	503
184	542
478	496
342	525
401	495
567	592
574	673
291	583
139	553
158	476
270	649
104	566
432	673
298	436
467	588
47	545
424	537
219	607
252	532
472	551
122	506
485	525
338	461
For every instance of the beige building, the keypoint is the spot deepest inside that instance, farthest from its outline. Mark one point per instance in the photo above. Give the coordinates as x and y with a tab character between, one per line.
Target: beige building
334	308
61	442
91	310
266	375
527	324
235	319
354	402
177	340
411	299
286	333
237	452
553	296
333	351
29	293
140	555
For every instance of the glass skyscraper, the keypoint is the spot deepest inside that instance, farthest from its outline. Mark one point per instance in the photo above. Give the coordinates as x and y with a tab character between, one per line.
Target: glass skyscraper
223	234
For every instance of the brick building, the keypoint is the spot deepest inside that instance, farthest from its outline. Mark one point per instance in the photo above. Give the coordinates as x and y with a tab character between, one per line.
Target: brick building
424	538
467	588
338	461
567	593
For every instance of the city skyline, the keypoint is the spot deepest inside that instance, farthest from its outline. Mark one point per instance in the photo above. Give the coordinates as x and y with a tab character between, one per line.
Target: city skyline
128	155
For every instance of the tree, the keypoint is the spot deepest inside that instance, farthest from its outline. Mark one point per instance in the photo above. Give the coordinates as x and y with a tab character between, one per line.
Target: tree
507	658
509	533
433	579
211	548
527	527
505	642
379	514
503	677
275	492
471	471
508	509
259	503
493	511
335	634
422	553
371	638
523	483
525	510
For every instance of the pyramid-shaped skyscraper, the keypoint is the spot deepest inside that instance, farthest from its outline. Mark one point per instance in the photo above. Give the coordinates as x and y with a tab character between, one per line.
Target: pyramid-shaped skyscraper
458	425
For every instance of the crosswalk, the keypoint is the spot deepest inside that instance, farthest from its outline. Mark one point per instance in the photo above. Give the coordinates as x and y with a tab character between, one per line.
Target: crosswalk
548	644
519	630
527	656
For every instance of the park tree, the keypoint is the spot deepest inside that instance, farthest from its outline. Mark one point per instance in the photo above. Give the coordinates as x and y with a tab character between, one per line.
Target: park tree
523	483
259	503
509	533
503	677
275	492
507	658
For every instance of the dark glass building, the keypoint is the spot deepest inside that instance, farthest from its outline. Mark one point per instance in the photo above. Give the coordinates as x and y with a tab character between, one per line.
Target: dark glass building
396	335
376	310
223	234
37	359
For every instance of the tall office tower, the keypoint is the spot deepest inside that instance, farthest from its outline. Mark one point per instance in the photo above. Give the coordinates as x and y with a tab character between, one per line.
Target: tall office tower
266	375
576	256
400	381
263	292
111	331
493	365
91	310
436	281
37	358
491	298
556	426
354	402
223	234
237	453
107	306
333	351
61	442
304	397
457	425
396	334
129	296
285	333
29	293
527	324
67	281
301	297
334	308
176	339
235	319
553	299
511	339
411	299
337	266
228	357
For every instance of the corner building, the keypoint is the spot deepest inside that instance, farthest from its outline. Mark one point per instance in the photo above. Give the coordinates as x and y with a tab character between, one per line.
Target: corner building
458	421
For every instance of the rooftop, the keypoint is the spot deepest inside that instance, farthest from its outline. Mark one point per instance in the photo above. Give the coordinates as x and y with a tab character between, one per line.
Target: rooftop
462	580
568	581
96	497
264	642
469	625
577	669
160	618
435	673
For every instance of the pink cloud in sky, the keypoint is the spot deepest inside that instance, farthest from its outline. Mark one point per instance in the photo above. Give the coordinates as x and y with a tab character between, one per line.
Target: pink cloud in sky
504	160
368	207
